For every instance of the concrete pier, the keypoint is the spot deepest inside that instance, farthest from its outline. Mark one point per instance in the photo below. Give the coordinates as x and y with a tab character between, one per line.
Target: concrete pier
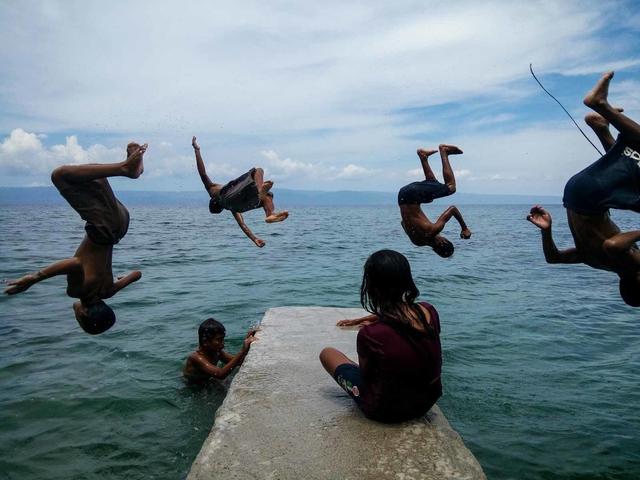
285	418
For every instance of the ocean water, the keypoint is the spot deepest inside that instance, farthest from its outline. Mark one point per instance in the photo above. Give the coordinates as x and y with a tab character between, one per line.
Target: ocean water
541	362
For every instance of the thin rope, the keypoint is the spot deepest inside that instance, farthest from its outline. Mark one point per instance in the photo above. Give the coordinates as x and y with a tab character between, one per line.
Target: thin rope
561	106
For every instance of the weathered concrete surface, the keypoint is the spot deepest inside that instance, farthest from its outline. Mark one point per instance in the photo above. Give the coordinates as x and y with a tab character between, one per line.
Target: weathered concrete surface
285	418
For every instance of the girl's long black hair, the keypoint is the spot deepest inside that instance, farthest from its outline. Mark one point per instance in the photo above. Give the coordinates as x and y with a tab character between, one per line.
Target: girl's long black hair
388	289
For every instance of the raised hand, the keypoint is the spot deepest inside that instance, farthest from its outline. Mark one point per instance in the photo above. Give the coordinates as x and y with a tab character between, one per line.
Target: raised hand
539	217
252	331
249	339
465	233
194	144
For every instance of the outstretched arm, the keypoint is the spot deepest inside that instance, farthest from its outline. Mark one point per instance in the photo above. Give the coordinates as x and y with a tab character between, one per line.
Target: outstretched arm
357	321
542	219
452	211
123	282
243	226
206	181
61	267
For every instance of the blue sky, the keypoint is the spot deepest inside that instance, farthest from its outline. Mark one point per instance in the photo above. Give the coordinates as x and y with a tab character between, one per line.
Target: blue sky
323	95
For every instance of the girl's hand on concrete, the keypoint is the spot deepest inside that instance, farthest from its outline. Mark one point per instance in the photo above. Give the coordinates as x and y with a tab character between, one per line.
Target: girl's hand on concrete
347	323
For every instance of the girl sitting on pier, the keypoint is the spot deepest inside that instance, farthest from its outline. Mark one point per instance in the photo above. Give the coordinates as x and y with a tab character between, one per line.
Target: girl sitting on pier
397	376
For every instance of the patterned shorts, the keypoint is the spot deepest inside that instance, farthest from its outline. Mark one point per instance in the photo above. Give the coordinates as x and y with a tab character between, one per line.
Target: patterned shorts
348	377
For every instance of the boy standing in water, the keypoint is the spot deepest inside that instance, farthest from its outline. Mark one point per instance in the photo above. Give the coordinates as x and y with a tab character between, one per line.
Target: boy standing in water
613	181
89	275
420	230
202	364
246	192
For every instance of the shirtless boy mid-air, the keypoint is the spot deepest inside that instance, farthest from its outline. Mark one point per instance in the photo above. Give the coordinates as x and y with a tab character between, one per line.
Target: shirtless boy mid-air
420	230
247	192
89	275
613	181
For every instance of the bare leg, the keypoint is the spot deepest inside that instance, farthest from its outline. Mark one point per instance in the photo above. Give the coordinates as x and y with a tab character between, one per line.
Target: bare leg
447	172
267	205
263	185
424	160
601	128
597	100
132	167
267	198
332	358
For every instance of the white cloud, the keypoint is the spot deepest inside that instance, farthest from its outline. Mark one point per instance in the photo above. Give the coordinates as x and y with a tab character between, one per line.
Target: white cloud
19	142
602	67
253	67
23	153
286	168
500	176
342	87
279	168
352	171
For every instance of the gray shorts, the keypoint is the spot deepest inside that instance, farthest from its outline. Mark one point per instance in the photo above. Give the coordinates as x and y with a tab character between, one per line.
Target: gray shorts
107	219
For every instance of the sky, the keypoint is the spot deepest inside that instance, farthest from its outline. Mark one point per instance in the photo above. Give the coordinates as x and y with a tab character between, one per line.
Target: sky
323	95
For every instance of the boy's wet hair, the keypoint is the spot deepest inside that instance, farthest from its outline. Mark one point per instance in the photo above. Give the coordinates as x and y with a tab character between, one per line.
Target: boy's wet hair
445	248
630	290
215	206
100	318
210	328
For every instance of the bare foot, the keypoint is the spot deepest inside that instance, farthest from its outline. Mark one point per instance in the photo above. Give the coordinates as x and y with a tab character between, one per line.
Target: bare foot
277	217
424	153
450	149
133	166
597	97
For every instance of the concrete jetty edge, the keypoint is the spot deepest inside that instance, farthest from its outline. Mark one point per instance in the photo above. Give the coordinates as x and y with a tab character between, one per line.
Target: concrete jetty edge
285	418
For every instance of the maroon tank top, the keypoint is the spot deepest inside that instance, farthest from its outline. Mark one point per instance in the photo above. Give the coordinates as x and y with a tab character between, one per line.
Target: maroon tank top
400	369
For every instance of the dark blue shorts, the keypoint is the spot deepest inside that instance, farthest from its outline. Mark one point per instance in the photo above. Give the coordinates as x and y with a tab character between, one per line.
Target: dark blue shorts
348	377
422	192
613	181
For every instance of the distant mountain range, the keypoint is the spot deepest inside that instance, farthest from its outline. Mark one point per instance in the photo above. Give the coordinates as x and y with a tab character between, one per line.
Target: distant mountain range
284	198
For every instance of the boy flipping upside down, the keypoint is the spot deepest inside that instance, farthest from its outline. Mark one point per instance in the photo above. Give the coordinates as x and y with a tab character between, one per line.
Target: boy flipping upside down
247	192
612	181
420	230
89	275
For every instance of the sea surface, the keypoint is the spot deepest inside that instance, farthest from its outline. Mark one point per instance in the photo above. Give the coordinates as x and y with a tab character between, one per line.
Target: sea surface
541	362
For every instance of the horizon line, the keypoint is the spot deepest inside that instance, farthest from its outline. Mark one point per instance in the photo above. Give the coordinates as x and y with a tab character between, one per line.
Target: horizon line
32	187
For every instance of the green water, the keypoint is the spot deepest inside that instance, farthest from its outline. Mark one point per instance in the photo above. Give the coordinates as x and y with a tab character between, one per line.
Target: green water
541	361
